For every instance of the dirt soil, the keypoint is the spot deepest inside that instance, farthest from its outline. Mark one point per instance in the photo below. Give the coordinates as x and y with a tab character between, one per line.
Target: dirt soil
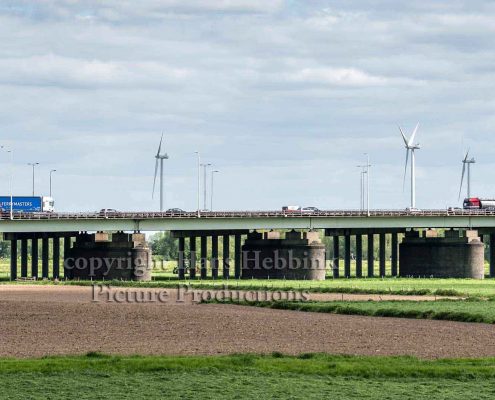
51	320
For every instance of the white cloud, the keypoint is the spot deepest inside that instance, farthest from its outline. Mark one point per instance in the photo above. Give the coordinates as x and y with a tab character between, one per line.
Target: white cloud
53	70
336	76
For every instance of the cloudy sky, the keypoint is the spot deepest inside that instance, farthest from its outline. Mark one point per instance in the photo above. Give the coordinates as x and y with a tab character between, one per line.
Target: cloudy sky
282	96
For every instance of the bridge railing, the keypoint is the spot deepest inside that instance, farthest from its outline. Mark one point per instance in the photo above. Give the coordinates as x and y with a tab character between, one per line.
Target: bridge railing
140	215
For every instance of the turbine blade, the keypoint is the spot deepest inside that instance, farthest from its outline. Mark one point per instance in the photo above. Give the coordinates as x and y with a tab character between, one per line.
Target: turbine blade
467	155
154	179
405	170
160	146
411	139
462	179
403	136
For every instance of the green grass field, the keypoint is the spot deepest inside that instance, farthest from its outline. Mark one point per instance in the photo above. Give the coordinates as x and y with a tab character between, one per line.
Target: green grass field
164	277
405	286
247	377
448	310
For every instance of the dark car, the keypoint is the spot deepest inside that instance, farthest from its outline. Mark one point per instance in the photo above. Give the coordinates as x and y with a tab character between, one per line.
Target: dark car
175	210
309	210
106	212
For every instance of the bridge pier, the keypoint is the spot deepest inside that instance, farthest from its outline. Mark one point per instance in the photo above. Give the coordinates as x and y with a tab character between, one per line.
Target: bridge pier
395	253
371	255
460	254
383	260
56	257
24	257
192	260
226	256
181	262
214	256
34	257
359	255
30	255
44	256
67	247
13	259
299	255
204	257
237	256
492	255
336	256
347	256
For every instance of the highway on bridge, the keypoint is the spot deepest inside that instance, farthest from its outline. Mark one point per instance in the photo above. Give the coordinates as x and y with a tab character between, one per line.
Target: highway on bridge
232	220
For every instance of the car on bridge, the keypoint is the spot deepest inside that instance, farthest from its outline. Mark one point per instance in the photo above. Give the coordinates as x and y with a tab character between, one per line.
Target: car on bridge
108	212
175	211
309	210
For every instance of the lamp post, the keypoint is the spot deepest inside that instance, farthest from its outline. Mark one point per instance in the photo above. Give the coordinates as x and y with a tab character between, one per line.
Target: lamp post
205	166
211	189
51	172
33	165
362	189
11	183
368	165
199	182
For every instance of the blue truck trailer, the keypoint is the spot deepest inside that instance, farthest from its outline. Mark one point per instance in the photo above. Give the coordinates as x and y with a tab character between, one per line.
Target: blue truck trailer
27	204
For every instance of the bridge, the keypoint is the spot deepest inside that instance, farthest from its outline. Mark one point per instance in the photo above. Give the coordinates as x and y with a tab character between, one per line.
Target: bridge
207	226
245	220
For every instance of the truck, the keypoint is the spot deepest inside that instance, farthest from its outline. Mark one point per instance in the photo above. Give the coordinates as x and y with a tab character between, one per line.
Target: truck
27	204
478	203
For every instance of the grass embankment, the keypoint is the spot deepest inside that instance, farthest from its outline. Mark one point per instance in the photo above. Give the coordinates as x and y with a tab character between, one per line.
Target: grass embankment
447	310
246	376
400	286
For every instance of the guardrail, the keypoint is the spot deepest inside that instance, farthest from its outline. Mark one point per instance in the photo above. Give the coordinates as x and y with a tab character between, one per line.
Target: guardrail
142	215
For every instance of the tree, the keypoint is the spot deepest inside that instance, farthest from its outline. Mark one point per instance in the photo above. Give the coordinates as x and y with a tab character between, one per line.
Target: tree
163	244
4	249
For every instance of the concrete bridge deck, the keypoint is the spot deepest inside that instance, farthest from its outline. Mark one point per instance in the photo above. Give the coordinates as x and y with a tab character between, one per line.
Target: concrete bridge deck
225	220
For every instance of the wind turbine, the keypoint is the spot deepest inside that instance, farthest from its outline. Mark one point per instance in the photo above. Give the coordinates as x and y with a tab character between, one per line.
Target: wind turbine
159	160
466	164
411	147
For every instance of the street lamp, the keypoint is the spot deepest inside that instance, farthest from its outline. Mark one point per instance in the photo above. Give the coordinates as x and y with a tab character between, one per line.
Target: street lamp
33	165
11	151
368	165
199	181
51	172
362	173
205	166
211	189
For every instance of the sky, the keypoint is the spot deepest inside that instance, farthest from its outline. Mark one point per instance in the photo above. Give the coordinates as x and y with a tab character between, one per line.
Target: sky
284	97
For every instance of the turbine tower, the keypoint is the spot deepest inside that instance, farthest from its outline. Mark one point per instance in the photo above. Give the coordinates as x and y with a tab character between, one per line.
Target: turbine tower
411	147
466	165
159	160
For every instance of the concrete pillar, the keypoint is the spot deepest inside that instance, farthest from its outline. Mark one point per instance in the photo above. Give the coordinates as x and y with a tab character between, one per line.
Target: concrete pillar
359	256
204	257
395	258
44	257
181	264
237	256
192	263
24	257
214	256
226	256
336	257
34	257
371	255
56	257
67	246
347	258
383	257
13	260
492	255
